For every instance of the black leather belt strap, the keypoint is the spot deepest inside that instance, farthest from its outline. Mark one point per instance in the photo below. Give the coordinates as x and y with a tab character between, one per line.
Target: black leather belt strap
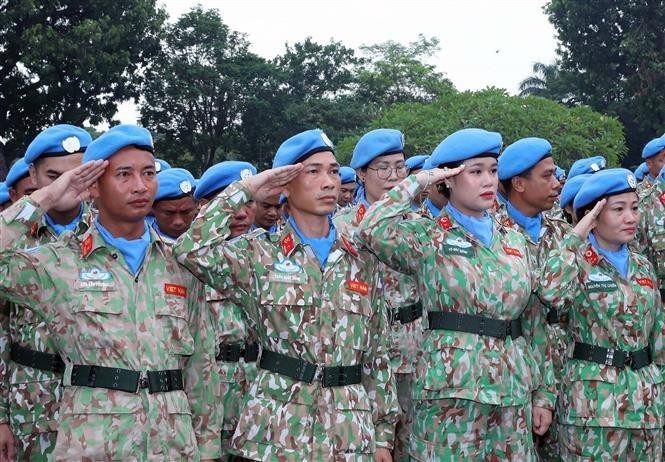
475	324
552	316
406	314
296	368
36	359
232	352
125	380
612	357
662	295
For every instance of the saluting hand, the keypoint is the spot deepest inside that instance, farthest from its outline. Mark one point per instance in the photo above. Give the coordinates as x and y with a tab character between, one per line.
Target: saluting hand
589	221
437	175
71	188
542	419
271	182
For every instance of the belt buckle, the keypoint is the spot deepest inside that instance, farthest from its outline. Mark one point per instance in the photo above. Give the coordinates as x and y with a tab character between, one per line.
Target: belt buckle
143	381
628	361
609	357
318	373
394	316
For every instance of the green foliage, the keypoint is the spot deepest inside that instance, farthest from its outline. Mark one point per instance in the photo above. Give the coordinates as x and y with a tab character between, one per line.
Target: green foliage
574	132
66	61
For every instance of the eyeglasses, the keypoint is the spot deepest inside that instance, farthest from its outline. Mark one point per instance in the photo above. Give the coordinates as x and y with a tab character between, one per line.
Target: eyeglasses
385	171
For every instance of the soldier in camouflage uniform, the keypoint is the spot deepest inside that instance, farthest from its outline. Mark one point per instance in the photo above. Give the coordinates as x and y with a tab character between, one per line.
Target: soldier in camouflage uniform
478	387
128	321
347	191
33	371
237	349
4	196
611	401
378	158
653	154
325	389
527	172
651	230
174	207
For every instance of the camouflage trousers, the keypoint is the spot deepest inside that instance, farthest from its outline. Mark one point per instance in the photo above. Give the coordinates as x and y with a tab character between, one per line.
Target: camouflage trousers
35	447
547	445
458	429
236	379
405	422
598	444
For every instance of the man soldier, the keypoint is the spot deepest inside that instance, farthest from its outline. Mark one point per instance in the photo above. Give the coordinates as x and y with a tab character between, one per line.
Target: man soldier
19	182
128	321
32	378
325	390
653	154
174	207
347	191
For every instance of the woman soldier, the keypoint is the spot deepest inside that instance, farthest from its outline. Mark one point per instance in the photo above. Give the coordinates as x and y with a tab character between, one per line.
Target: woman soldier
611	402
477	377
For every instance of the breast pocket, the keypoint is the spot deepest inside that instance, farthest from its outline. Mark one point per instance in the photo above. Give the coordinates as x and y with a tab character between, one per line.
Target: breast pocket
287	312
173	323
353	321
100	317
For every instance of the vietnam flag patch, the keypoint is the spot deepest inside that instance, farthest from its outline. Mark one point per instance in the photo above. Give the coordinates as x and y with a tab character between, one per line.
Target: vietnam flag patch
358	286
175	289
645	282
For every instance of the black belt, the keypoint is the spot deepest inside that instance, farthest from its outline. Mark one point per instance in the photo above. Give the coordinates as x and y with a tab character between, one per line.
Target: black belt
406	314
612	357
232	352
662	295
126	380
474	324
335	376
552	316
36	359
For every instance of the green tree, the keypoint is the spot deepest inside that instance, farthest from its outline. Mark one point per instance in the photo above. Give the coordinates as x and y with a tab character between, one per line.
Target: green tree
70	61
548	82
613	53
574	132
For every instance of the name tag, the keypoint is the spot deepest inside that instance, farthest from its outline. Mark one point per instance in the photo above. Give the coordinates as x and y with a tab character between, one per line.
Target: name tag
291	278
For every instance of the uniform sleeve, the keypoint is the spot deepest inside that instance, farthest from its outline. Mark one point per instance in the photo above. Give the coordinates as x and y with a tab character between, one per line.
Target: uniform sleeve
202	376
657	340
204	249
4	362
377	376
17	221
539	337
383	230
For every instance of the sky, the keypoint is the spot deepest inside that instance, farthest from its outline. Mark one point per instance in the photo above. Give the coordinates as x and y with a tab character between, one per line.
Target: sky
483	42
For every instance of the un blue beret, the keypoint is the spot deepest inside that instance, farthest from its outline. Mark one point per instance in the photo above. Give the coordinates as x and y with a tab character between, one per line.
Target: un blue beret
220	175
4	193
117	138
641	171
174	183
588	165
300	146
559	173
379	142
347	174
522	155
416	162
571	188
17	171
606	183
282	199
161	165
58	140
465	144
653	147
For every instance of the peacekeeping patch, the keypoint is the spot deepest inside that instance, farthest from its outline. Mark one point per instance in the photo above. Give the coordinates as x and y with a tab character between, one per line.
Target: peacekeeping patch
600	282
95	278
289	272
459	246
175	289
71	144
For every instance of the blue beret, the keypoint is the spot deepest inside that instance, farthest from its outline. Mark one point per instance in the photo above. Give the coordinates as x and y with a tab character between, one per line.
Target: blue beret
4	193
161	165
174	183
465	144
117	138
641	171
522	155
300	146
347	174
653	147
379	142
220	175
58	140
17	171
571	188
588	165
282	199
606	183
559	173
416	162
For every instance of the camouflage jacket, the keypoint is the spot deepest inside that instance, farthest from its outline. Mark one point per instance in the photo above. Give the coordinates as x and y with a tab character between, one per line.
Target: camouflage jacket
399	290
651	236
29	398
609	311
98	313
332	316
455	273
644	186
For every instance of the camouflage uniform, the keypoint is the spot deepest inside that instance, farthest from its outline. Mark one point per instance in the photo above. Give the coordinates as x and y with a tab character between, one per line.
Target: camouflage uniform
331	316
99	314
473	393
552	234
651	236
31	395
608	311
644	186
405	339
